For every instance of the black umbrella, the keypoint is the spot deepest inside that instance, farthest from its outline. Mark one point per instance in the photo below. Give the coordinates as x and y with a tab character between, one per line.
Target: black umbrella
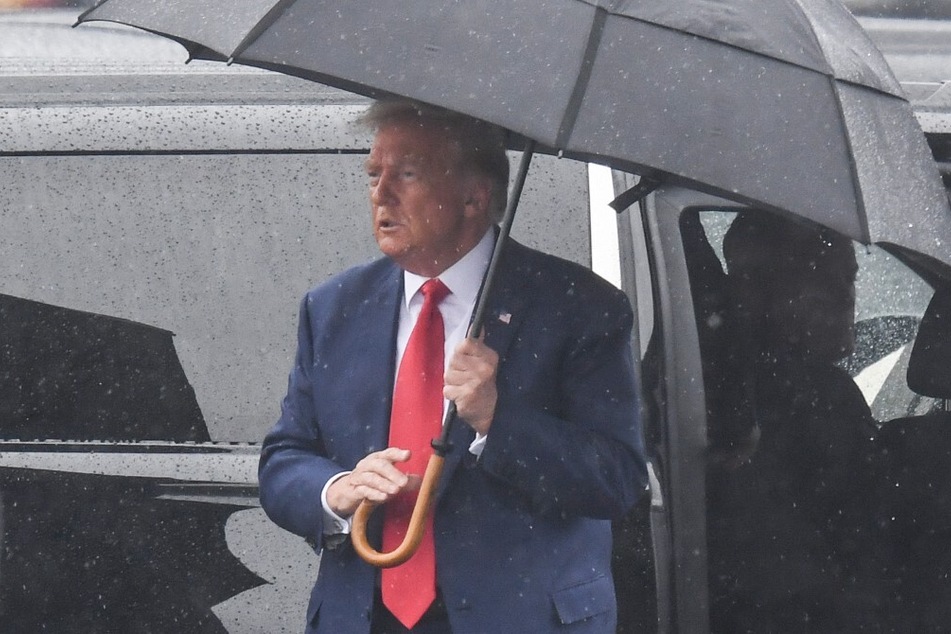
784	104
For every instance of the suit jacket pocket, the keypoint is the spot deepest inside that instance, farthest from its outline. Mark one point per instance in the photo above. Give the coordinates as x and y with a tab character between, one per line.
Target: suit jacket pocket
584	600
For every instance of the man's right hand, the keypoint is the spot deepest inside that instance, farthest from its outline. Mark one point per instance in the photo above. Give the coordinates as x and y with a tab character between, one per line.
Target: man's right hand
375	478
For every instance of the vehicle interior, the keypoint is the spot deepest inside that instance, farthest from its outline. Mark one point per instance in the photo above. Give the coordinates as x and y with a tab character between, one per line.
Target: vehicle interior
804	519
810	469
699	559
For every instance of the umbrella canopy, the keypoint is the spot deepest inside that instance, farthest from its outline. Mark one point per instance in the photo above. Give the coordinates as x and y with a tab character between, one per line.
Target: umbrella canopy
784	104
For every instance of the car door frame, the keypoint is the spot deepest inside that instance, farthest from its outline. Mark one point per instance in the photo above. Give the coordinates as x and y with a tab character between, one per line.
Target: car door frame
650	235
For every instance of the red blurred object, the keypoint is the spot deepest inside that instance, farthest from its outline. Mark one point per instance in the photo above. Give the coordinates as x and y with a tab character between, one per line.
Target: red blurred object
39	4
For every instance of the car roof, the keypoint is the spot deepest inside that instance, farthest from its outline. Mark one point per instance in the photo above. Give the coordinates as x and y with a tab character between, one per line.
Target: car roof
59	85
919	53
45	60
926	9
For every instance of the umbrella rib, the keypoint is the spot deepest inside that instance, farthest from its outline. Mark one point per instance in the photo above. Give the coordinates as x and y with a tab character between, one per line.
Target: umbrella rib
856	181
266	21
584	76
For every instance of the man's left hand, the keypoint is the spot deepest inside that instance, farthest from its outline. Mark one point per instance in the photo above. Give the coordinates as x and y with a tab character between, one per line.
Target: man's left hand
470	382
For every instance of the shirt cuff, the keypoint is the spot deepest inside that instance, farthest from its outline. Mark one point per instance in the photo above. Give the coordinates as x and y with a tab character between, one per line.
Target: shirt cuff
333	523
477	445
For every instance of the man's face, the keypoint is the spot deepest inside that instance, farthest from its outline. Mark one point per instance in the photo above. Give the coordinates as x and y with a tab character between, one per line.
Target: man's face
427	213
814	309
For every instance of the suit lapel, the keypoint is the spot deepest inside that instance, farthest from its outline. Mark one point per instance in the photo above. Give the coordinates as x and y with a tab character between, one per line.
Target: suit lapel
374	324
507	305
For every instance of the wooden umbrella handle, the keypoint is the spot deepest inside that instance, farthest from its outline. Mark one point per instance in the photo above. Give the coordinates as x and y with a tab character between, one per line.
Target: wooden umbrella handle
417	522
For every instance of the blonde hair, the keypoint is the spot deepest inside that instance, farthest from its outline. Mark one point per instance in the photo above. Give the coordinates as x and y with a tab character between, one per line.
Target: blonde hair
481	145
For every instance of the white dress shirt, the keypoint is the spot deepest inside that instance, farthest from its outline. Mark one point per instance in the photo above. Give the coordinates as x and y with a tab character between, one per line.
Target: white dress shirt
463	280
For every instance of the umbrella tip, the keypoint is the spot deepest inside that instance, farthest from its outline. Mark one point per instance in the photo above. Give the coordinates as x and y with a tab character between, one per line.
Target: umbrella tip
230	61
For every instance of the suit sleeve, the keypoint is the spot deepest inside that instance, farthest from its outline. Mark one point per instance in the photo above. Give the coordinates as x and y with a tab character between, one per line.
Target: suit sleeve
293	470
582	451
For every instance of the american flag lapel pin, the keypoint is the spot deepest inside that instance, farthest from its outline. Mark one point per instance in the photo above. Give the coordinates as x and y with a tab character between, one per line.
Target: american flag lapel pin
505	317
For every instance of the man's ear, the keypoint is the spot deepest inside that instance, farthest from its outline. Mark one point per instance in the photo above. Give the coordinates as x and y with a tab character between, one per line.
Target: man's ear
478	196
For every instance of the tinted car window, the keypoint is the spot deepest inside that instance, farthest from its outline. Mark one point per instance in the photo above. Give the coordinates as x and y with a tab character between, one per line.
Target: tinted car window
215	248
808	448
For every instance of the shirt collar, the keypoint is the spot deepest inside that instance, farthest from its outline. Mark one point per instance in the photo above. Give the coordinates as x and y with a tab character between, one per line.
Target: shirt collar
463	278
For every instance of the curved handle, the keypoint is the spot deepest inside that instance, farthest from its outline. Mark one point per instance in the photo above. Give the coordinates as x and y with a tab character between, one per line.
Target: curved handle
417	522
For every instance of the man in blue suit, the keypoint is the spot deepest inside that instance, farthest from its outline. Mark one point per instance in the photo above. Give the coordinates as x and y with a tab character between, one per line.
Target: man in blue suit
550	450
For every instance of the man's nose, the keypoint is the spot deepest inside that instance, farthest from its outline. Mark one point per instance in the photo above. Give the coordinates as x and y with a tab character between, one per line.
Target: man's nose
381	192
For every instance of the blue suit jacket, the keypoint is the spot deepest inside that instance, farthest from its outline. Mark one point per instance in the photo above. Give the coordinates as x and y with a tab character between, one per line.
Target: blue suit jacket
523	535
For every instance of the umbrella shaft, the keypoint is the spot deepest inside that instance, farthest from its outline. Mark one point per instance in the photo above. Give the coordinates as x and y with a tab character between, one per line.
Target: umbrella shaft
441	445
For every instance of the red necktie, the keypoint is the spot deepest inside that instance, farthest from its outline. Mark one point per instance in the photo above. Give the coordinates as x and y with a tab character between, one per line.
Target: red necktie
410	588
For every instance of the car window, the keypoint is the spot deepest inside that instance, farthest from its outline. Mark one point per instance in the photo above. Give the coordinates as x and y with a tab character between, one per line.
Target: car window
216	249
890	300
819	404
